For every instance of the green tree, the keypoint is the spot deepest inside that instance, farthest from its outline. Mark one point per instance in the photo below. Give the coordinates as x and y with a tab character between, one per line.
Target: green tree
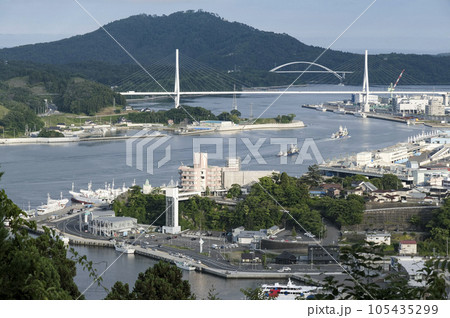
34	268
160	282
235	191
313	177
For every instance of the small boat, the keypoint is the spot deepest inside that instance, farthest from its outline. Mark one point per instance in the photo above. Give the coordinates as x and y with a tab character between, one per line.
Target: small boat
360	114
339	110
289	291
281	154
293	150
340	134
124	248
185	266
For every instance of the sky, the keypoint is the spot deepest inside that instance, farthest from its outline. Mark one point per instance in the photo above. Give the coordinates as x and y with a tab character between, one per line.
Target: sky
401	26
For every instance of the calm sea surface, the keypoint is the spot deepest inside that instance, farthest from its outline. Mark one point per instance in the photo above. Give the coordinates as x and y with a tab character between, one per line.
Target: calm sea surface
32	171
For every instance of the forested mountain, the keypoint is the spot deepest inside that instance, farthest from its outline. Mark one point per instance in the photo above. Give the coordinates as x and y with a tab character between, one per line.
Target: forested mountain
215	42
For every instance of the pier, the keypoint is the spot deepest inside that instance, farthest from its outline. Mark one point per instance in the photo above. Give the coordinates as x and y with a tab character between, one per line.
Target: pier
369	115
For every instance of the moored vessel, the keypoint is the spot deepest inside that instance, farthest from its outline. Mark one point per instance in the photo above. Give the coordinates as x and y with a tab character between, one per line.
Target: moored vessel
51	206
185	265
124	248
289	291
360	114
101	197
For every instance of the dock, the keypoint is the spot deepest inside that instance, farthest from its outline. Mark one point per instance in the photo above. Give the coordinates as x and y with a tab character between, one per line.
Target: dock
369	115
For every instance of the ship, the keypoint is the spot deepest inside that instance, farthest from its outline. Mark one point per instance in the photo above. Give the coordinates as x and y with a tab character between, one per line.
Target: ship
51	206
340	110
360	114
124	248
340	134
185	265
293	150
289	291
100	197
320	108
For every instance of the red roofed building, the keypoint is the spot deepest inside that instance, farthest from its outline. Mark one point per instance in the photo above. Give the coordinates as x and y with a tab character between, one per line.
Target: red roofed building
407	248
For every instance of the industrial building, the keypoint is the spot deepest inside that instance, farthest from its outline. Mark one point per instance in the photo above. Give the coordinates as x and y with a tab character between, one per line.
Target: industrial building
112	226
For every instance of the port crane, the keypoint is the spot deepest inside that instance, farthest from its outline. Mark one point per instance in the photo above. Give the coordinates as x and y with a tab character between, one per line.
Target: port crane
391	88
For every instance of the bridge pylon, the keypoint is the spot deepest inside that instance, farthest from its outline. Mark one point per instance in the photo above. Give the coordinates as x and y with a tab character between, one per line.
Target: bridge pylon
366	84
177	80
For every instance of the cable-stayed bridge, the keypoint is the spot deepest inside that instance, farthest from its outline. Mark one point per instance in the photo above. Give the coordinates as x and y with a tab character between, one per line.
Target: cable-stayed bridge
177	93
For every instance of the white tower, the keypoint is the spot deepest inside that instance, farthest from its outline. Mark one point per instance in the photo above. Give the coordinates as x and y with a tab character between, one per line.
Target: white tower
177	81
201	245
366	84
172	226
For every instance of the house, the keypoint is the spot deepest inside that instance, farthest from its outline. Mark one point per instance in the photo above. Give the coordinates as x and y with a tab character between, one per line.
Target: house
239	235
252	257
412	266
327	186
317	192
273	230
323	254
379	238
286	258
407	248
333	192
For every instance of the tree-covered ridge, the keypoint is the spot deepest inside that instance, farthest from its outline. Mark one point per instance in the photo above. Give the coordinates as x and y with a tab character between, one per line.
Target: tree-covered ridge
176	114
217	43
18	108
278	200
25	86
82	96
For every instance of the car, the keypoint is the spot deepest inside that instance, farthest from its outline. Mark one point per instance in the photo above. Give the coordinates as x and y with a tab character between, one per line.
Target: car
168	238
193	239
146	236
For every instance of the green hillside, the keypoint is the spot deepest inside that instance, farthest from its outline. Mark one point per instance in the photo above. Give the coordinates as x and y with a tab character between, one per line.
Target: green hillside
219	44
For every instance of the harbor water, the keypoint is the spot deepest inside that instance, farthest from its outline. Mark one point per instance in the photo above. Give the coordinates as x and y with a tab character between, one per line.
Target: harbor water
32	171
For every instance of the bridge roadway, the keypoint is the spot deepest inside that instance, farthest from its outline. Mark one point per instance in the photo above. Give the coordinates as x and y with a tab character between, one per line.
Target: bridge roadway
287	92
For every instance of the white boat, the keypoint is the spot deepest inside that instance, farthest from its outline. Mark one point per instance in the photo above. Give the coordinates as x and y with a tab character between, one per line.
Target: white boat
339	110
360	114
102	197
124	248
340	134
185	266
289	291
281	154
51	206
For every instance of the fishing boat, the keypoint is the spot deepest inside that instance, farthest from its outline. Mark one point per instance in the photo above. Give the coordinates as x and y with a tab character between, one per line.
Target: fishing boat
339	110
289	291
124	248
360	114
185	265
293	150
340	134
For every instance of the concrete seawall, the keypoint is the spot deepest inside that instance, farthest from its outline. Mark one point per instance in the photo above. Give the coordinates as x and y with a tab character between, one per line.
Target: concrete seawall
38	140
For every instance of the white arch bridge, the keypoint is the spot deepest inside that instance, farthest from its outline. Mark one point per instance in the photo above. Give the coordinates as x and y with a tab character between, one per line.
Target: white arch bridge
325	69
